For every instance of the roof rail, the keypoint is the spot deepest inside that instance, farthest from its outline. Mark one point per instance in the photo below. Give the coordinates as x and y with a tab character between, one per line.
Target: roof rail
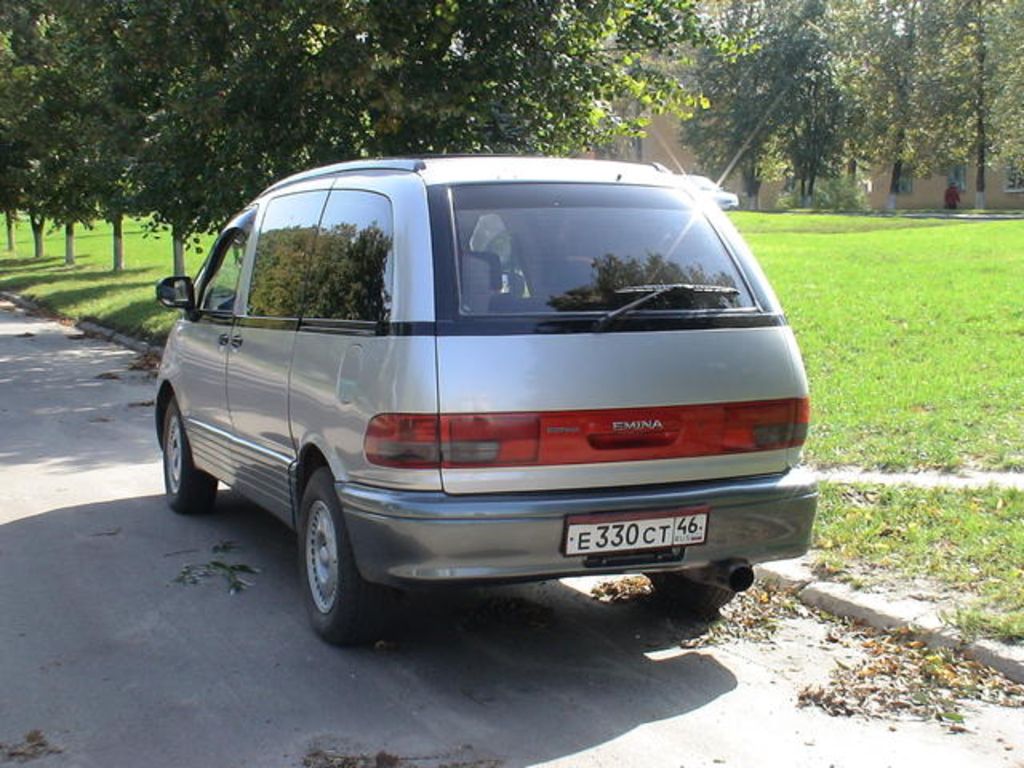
409	165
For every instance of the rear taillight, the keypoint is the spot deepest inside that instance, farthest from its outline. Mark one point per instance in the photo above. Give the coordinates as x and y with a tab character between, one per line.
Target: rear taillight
584	437
407	440
469	440
765	426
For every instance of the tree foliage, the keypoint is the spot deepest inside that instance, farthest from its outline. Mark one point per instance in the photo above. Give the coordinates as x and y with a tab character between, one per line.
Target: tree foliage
776	99
1008	97
910	85
185	109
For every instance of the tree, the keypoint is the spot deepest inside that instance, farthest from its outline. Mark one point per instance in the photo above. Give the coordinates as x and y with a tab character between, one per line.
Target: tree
812	128
237	93
13	162
903	79
1008	86
774	100
978	82
108	122
45	119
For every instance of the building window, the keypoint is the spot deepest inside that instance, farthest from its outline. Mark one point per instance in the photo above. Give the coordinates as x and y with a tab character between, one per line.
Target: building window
1015	176
957	175
905	185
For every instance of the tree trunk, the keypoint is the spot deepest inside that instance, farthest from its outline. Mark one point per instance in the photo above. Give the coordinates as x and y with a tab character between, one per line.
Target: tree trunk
179	253
982	158
894	185
117	222
12	244
980	104
69	244
752	187
37	235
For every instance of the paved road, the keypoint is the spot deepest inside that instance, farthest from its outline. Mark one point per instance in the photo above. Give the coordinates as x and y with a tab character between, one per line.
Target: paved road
118	665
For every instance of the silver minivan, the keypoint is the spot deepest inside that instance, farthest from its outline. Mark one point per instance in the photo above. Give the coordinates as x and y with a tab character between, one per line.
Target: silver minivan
490	369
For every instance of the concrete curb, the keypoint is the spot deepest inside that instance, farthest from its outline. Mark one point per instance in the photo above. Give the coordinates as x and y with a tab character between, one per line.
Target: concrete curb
87	327
967	478
882	612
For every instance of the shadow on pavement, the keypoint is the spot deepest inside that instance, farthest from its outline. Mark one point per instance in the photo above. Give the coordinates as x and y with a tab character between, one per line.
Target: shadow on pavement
119	664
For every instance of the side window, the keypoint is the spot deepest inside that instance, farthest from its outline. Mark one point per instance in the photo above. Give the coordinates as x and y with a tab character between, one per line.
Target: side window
219	295
350	272
286	241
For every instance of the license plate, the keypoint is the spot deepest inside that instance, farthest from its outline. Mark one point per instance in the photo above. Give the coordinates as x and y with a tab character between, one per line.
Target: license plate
635	531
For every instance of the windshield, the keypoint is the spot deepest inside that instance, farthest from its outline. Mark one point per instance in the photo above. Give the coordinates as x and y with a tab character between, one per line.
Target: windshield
533	249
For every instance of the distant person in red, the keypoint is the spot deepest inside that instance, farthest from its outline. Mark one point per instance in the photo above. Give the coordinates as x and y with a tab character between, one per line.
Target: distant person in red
952	196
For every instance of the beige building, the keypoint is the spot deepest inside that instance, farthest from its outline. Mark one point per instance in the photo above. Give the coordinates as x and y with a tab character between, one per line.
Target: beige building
1004	185
1004	188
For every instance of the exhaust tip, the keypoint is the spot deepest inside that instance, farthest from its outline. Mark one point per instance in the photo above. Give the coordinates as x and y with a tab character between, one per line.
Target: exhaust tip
741	577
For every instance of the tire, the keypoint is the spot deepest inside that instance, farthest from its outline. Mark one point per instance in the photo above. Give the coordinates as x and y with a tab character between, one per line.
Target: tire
679	592
190	491
343	607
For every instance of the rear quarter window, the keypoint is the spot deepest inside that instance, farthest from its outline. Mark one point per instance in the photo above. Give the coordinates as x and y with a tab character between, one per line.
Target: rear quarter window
350	267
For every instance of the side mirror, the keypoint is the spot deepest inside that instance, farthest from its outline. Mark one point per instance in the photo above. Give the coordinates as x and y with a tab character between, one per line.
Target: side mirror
177	293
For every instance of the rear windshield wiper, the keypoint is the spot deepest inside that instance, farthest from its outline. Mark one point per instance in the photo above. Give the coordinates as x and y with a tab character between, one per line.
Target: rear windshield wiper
651	292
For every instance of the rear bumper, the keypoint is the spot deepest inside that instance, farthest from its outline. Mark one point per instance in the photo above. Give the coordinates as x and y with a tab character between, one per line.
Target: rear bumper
401	537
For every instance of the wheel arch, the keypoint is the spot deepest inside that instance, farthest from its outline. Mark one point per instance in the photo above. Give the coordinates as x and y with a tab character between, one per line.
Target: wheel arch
163	399
311	458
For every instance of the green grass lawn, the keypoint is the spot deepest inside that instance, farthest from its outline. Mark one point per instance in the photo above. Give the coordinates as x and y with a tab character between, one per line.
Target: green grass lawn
971	541
90	290
912	333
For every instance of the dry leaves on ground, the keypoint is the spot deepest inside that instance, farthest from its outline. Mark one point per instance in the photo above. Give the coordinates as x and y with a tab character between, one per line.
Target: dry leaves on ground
325	758
902	677
35	745
622	590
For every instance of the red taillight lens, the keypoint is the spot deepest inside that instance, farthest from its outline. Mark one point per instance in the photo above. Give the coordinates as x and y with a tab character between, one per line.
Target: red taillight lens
584	437
765	426
407	440
469	440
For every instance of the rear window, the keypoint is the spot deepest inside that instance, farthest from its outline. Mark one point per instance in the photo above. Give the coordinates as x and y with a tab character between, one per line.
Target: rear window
553	249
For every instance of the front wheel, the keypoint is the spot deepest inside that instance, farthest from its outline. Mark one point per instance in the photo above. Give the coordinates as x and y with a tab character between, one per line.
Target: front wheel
679	592
343	607
190	491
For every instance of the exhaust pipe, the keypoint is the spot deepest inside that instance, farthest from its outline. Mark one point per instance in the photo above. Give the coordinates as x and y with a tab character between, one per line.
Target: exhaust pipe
737	575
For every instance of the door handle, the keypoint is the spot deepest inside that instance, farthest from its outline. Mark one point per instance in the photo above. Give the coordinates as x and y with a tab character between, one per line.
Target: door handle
222	340
236	342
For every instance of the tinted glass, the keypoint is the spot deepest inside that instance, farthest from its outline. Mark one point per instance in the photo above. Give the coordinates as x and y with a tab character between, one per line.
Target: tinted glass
349	271
223	286
287	237
551	248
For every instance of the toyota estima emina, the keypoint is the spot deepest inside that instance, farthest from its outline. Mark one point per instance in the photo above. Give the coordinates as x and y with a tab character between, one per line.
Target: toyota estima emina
485	369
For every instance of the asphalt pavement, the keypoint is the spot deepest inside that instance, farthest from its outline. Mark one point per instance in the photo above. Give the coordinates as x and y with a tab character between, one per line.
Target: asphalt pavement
110	655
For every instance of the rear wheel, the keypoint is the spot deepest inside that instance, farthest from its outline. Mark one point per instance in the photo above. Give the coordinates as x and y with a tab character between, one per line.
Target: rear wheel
679	592
343	607
190	491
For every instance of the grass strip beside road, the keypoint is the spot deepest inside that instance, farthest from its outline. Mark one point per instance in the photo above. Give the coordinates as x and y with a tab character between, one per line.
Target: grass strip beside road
91	290
968	542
